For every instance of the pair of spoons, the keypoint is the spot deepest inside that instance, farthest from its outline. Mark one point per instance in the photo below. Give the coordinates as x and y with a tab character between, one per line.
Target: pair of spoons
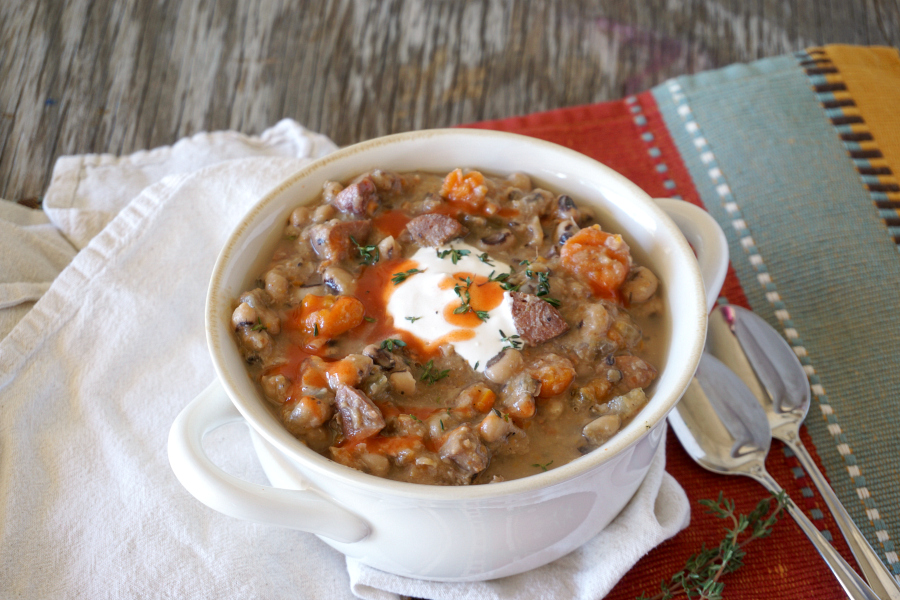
749	388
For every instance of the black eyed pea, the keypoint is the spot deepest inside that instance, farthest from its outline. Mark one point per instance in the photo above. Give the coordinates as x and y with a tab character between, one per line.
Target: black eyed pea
275	387
299	217
640	285
602	428
277	286
389	248
244	314
552	409
339	280
330	189
403	383
535	231
323	213
565	230
504	365
520	180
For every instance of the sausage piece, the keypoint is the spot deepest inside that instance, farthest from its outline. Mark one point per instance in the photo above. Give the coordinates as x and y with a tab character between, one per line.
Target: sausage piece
636	372
465	448
435	230
537	321
359	199
360	418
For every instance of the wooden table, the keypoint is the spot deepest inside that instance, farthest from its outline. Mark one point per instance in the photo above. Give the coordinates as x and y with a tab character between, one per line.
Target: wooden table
102	76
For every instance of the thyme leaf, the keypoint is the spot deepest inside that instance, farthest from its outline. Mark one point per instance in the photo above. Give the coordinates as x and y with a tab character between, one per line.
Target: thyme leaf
390	343
431	376
512	341
465	299
454	254
703	571
399	278
369	255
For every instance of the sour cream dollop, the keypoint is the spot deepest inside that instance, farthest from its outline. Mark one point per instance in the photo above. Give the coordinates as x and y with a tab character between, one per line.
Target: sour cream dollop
456	303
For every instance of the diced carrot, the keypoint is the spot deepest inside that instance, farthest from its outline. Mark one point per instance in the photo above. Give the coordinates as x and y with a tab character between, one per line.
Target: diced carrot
555	379
484	401
326	316
346	313
601	259
466	189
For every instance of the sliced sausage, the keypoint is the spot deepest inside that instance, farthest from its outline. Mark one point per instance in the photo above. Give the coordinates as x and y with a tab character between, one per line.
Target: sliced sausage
636	372
435	229
465	448
360	418
359	199
536	321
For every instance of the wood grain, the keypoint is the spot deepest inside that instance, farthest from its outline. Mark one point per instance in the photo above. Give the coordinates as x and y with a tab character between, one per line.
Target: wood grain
107	76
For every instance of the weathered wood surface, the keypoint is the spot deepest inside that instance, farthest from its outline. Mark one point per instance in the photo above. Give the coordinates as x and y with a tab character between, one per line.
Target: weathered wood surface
106	76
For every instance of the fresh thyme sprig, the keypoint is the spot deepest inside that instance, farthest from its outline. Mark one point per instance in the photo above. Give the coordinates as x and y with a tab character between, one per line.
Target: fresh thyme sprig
454	254
544	288
431	376
502	280
390	343
369	254
703	571
399	278
483	257
465	298
512	341
543	283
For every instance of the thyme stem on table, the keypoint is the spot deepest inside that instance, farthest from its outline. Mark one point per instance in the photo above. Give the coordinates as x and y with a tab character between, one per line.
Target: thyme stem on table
703	571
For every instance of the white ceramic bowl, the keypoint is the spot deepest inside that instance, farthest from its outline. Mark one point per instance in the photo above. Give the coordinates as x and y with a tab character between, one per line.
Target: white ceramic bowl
449	533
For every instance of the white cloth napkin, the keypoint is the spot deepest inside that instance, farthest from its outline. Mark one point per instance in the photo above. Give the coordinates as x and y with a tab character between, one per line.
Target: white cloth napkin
93	375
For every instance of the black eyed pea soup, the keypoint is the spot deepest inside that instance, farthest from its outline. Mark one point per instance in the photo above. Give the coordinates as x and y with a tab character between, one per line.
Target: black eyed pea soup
451	329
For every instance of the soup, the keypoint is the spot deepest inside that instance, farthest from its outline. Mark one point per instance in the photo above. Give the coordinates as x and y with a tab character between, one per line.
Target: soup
450	329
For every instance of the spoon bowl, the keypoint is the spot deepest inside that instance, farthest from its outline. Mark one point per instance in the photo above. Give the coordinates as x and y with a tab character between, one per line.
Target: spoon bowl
767	364
725	430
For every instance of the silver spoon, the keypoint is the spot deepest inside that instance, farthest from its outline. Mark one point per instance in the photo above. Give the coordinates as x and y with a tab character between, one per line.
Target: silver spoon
767	364
725	430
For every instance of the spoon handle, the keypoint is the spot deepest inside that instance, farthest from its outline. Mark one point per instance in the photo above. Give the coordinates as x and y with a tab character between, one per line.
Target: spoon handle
881	580
852	583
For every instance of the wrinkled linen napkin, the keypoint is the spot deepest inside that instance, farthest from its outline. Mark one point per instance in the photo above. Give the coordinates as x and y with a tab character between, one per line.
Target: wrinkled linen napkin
93	375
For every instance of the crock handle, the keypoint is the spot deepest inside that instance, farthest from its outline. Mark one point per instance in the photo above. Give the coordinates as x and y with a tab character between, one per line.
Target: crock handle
306	510
708	240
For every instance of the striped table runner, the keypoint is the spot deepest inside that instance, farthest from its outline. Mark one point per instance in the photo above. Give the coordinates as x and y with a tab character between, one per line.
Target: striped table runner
796	157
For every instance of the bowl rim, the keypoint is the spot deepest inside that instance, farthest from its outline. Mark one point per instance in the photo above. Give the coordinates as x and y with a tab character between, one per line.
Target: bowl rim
654	413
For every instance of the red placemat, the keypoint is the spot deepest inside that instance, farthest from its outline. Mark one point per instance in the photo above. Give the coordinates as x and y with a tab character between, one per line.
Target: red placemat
631	137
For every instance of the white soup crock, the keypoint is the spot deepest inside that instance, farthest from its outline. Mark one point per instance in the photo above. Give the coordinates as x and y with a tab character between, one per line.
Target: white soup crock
462	533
